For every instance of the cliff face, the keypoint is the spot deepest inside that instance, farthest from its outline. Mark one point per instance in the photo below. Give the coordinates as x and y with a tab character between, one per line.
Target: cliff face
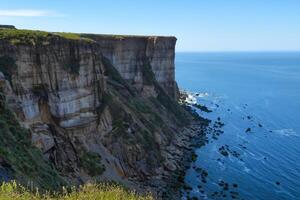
43	75
98	107
130	54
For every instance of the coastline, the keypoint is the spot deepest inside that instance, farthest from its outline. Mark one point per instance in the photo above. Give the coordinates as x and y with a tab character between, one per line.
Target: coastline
169	181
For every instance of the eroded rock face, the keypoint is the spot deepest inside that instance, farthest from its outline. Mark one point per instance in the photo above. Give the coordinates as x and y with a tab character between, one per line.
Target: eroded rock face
130	55
44	74
73	103
42	137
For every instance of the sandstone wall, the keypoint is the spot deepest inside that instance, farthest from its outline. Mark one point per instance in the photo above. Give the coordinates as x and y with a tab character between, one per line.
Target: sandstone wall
129	54
44	73
72	101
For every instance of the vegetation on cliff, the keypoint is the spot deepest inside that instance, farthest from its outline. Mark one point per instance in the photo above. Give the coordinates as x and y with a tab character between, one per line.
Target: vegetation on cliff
181	117
26	164
33	37
131	122
19	158
15	191
138	120
21	36
91	162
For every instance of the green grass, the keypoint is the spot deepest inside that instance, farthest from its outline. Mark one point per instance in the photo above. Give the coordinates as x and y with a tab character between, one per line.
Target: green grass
19	36
33	37
140	105
15	191
23	36
73	36
91	163
25	162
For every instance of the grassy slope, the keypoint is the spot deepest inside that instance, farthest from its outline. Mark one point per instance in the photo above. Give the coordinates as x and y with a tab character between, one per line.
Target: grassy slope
21	159
21	36
18	36
88	192
27	165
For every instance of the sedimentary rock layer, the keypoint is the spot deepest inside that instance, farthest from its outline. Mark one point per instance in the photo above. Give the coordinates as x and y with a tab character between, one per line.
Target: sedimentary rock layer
129	54
99	107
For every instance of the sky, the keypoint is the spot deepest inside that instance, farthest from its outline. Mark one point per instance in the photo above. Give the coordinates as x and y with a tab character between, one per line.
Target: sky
199	25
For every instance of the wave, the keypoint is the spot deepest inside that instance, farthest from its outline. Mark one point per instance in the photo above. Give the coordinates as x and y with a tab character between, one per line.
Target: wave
191	99
201	95
286	132
246	169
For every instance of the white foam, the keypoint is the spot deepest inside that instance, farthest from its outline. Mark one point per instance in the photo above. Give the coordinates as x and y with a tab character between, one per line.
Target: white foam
191	99
252	154
204	94
246	169
286	132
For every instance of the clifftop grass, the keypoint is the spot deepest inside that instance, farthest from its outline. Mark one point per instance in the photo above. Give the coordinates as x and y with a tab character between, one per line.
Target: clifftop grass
18	36
87	192
21	36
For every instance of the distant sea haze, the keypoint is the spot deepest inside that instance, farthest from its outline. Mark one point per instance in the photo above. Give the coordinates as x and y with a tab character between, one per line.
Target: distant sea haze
256	95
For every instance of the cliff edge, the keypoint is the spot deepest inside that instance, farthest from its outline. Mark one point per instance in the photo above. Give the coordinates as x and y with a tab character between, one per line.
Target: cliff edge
96	107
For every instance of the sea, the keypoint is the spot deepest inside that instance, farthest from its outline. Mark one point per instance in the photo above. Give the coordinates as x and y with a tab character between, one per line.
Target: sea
252	149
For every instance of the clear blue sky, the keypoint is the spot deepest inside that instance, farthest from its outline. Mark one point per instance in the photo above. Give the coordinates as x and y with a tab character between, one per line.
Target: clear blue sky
199	25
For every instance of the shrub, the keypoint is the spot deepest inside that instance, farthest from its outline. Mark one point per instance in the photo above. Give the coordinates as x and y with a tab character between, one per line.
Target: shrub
141	106
91	163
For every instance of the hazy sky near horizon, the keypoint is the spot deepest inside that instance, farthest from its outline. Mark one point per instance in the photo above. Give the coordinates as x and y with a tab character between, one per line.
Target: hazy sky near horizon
199	25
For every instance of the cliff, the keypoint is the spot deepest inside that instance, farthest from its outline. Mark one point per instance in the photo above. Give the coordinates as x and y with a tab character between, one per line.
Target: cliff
129	54
97	107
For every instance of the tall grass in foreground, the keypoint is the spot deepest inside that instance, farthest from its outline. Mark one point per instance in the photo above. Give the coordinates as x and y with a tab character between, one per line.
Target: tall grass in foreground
14	191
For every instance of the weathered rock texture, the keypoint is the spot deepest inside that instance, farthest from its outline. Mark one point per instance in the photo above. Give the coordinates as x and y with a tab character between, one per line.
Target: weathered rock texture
131	53
107	102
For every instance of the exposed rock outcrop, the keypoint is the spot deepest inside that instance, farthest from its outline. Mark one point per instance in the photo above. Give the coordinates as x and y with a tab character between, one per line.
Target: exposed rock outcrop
97	106
129	54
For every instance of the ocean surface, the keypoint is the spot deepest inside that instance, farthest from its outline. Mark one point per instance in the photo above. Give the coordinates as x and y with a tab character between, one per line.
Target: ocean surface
257	98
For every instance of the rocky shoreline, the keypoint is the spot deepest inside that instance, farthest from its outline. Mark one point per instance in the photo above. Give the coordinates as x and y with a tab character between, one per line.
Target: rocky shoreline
179	155
168	182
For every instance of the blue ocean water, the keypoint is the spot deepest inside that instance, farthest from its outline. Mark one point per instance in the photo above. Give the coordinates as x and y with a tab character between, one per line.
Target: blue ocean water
260	91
